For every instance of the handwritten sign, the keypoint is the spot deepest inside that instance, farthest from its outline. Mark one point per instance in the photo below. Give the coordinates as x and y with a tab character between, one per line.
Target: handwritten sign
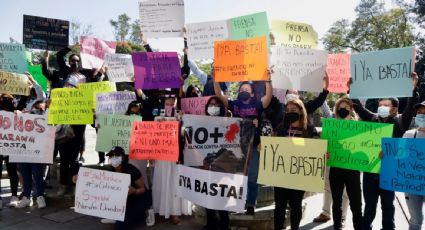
194	105
155	140
338	70
294	34
97	87
250	26
294	163
114	130
161	18
385	73
155	70
93	51
355	144
114	102
244	60
403	165
45	33
36	72
102	193
213	190
14	83
299	69
13	57
70	106
120	67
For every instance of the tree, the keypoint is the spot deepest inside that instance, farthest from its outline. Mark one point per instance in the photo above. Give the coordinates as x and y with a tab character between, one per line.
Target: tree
135	32
121	27
78	29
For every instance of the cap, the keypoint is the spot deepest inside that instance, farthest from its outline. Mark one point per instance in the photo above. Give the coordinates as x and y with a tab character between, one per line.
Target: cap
420	105
116	150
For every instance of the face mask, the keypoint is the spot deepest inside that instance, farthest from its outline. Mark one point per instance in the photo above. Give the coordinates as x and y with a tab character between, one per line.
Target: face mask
343	113
383	111
292	117
420	120
244	96
7	105
37	111
292	96
74	66
196	94
213	110
116	161
168	110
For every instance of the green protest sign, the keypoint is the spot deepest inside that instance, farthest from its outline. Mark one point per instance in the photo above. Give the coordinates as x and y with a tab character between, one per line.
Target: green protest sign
355	144
35	71
250	26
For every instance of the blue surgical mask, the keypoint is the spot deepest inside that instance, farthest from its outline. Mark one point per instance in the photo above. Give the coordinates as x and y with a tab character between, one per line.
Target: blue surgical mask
384	111
420	120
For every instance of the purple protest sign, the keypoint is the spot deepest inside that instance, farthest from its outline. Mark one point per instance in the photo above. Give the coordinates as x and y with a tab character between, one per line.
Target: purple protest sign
156	70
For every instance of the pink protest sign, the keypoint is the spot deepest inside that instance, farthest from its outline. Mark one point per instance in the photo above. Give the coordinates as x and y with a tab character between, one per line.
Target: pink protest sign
156	70
93	51
194	105
338	70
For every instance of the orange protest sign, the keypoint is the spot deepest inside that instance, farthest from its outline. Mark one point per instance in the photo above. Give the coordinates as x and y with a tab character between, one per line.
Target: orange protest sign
242	60
152	140
338	69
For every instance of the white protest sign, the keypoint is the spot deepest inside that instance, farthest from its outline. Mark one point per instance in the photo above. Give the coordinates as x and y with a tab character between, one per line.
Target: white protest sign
298	69
93	51
114	102
161	18
102	193
120	67
213	190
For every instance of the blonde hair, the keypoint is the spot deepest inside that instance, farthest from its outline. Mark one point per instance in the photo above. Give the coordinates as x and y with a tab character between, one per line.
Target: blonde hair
347	100
303	114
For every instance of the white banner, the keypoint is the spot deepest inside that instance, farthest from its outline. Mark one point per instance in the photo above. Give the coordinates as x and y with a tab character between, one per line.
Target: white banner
114	102
93	51
120	67
213	190
102	193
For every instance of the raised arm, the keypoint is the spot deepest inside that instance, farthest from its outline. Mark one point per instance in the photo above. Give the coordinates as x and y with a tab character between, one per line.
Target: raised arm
363	113
408	113
218	92
267	98
314	104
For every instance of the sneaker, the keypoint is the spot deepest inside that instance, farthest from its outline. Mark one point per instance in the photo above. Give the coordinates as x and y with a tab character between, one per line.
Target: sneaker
41	202
321	219
61	191
150	220
250	211
24	202
13	201
107	221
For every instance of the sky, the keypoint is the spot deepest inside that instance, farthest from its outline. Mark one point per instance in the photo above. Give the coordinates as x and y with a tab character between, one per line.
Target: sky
318	13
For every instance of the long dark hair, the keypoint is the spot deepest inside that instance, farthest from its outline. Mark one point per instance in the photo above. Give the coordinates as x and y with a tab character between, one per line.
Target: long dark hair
223	110
132	105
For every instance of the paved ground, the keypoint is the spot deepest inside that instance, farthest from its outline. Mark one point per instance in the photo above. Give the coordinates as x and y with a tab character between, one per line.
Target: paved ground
59	213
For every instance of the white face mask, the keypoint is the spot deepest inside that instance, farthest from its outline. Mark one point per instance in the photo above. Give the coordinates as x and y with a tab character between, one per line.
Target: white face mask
116	161
213	110
383	111
291	96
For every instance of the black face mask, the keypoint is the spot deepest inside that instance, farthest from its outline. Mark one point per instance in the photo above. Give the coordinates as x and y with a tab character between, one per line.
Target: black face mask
244	96
292	117
74	66
196	94
343	113
7	105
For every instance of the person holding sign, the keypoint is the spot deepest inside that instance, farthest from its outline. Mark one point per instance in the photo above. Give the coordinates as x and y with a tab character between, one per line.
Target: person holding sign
294	124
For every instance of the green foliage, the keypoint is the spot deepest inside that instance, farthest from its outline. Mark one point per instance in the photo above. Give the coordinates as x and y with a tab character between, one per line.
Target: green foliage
128	48
136	32
121	27
78	29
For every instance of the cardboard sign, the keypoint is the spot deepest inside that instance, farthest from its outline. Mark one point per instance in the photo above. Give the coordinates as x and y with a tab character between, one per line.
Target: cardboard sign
102	193
213	190
294	163
45	33
403	165
155	70
97	87
13	57
37	73
152	140
70	106
194	105
26	138
298	69
14	83
244	60
294	34
114	102
120	67
250	26
355	144
114	130
93	51
338	70
385	73
161	18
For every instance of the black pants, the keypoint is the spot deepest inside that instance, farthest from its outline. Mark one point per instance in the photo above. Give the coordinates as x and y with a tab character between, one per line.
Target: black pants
213	224
134	212
12	173
350	179
283	196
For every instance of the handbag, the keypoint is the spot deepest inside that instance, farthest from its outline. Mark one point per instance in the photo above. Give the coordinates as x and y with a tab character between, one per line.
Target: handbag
64	133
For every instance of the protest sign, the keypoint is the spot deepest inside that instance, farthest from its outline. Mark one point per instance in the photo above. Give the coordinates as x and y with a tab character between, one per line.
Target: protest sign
94	88
102	193
13	57
220	142
294	163
93	51
385	73
45	33
194	105
70	106
243	60
36	72
120	67
250	26
403	165
161	18
14	83
114	102
114	130
152	140
338	70
355	144
201	37
294	34
299	69
280	94
26	138
155	70
213	190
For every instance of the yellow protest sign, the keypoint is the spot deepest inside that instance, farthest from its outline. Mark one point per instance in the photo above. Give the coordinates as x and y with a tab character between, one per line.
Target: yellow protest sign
294	34
97	87
70	106
294	163
14	83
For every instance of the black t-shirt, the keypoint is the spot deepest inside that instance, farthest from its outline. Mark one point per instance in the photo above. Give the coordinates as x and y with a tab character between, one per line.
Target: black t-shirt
133	171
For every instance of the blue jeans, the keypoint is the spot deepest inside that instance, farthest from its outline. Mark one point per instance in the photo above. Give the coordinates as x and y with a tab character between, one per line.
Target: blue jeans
415	204
251	196
30	170
371	193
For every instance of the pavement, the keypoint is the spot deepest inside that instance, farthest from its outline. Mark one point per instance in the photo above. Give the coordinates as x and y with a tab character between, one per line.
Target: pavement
59	213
